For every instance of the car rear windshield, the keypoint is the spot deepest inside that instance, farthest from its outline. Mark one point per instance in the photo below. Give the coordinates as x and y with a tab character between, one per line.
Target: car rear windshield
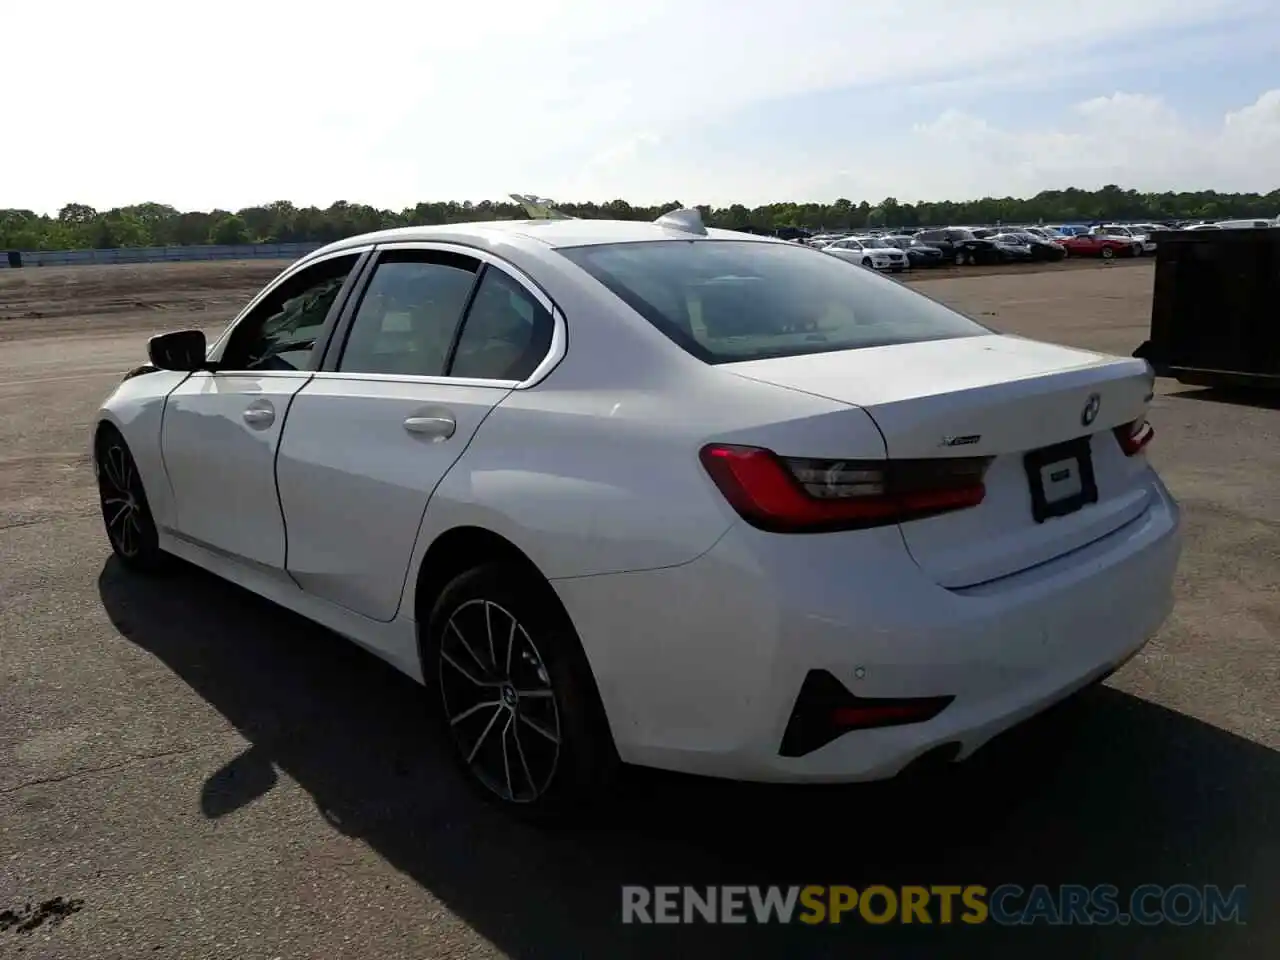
729	300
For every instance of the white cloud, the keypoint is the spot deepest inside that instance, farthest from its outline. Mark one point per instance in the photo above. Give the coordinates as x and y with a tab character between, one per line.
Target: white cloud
1254	131
389	101
1134	140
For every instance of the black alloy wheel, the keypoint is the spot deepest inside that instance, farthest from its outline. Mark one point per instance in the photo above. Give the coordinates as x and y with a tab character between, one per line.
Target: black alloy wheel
516	696
498	701
126	513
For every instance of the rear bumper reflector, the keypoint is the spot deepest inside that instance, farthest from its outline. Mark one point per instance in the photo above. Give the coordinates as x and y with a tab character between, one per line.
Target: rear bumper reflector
825	710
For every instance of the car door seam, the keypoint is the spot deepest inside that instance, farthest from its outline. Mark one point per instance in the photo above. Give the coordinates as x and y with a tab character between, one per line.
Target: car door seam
275	477
164	463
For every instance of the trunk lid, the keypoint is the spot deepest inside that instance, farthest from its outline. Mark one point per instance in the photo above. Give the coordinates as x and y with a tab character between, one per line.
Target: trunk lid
1001	397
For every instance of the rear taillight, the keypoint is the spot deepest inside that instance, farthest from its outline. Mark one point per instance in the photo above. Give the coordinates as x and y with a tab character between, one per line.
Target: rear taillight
1134	436
799	495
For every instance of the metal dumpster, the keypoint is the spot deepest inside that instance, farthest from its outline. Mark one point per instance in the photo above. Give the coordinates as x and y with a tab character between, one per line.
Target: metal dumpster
1215	315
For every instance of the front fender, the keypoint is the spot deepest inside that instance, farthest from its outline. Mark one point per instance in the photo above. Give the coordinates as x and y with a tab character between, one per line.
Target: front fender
136	409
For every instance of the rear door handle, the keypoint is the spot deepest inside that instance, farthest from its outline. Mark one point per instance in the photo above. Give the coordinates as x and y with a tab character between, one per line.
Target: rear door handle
260	414
437	428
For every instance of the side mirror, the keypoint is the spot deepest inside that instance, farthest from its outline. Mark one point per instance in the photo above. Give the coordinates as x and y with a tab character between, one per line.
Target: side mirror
181	350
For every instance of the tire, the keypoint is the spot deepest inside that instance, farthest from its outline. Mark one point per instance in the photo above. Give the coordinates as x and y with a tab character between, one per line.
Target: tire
1107	253
126	513
866	262
961	258
524	724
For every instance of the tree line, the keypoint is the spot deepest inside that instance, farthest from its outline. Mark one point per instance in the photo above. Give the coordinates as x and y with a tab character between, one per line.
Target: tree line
79	226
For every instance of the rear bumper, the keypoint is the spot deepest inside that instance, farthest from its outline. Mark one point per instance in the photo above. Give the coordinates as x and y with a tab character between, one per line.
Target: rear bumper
699	665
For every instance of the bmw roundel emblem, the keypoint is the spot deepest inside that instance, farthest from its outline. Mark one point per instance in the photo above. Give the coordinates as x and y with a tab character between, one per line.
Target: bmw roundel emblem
1090	411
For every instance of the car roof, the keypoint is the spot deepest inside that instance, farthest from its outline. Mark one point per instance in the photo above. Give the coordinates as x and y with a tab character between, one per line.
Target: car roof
554	233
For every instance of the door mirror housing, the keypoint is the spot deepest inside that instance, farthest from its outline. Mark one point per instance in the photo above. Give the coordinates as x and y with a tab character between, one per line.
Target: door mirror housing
180	350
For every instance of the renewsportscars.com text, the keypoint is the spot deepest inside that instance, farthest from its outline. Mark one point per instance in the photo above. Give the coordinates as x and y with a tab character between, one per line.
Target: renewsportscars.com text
1007	904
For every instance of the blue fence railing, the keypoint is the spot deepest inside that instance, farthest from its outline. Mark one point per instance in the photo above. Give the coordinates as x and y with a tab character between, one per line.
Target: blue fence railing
247	251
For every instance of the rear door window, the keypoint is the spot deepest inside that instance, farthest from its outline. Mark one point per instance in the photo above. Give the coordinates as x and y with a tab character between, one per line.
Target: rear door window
506	334
409	314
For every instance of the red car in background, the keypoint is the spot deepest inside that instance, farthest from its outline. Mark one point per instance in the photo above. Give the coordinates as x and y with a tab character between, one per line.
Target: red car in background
1098	245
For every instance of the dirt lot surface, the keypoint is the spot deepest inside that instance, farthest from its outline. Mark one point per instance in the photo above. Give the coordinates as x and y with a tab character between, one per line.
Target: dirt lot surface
186	771
53	301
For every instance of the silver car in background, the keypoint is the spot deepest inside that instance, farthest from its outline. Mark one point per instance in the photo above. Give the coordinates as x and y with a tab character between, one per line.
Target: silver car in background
1142	243
869	252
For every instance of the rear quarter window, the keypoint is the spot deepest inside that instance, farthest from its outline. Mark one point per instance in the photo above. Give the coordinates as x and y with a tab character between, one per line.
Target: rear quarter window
726	300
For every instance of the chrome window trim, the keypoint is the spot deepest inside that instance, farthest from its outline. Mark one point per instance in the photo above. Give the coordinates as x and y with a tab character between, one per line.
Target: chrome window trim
251	374
414	378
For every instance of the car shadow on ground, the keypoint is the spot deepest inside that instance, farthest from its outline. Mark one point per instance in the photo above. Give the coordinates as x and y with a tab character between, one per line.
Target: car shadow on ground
1109	789
1234	396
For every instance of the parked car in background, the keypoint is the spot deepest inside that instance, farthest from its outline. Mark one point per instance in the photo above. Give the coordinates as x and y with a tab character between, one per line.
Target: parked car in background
795	234
960	245
1144	243
918	254
1100	245
1040	248
1149	230
869	252
1045	233
1011	247
1245	224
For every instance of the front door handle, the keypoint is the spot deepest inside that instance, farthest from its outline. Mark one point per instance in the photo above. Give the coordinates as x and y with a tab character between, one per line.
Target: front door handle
260	414
437	428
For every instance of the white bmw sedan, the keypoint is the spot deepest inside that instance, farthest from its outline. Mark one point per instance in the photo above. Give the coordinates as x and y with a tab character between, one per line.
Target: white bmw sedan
652	493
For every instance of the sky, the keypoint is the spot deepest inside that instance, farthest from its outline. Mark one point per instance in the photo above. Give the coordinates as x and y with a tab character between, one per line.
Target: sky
233	104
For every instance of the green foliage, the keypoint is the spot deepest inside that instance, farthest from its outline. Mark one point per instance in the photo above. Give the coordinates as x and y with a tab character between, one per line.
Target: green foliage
154	224
229	228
